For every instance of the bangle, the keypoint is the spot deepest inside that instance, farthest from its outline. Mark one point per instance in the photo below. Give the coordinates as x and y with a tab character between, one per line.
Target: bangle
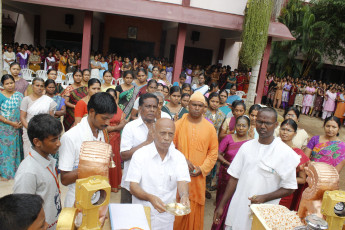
4	120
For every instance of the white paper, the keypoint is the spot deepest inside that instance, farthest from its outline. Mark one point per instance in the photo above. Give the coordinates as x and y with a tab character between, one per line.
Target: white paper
127	216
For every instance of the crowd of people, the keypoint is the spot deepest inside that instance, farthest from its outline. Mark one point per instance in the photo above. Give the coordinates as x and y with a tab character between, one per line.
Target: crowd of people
313	98
182	138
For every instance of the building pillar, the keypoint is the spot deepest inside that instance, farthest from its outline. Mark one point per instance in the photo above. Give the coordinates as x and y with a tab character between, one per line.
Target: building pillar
86	45
221	51
263	71
179	50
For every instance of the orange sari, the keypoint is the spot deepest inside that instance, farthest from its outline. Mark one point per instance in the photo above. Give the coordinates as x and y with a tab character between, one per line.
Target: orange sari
199	144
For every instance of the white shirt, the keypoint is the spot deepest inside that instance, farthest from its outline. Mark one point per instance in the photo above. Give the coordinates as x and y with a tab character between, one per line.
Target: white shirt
158	177
69	151
133	134
255	177
33	177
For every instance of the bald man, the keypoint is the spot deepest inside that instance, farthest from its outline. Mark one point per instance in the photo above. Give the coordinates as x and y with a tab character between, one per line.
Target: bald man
156	172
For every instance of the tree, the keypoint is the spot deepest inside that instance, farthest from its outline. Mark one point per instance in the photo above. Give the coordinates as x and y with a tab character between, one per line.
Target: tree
332	12
318	29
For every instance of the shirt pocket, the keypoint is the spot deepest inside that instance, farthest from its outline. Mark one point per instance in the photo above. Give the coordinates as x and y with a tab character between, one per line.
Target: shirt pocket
171	179
266	172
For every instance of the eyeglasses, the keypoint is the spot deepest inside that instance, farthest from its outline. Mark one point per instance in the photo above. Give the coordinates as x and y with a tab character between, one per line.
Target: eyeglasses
264	123
290	115
241	126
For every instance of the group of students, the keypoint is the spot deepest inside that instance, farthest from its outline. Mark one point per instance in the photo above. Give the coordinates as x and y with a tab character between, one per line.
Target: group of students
313	98
210	126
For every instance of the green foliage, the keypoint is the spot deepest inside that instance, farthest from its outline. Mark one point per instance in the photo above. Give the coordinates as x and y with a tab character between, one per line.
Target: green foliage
332	12
255	31
319	32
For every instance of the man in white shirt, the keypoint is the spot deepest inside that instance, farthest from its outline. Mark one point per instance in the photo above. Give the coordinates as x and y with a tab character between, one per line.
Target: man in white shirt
156	172
263	171
37	173
135	135
101	108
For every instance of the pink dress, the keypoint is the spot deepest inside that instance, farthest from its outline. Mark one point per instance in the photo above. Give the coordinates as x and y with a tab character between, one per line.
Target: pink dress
330	102
117	69
308	98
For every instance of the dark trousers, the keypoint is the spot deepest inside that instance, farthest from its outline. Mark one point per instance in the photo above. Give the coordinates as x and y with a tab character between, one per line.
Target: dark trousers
126	196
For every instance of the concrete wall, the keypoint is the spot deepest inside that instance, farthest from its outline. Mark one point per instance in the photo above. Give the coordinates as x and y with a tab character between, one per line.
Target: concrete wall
116	26
178	2
231	53
25	29
209	39
226	6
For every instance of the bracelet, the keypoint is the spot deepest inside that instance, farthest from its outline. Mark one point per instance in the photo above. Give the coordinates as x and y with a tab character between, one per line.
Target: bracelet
4	121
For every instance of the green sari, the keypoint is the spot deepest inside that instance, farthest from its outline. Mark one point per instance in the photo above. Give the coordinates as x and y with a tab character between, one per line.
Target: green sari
127	99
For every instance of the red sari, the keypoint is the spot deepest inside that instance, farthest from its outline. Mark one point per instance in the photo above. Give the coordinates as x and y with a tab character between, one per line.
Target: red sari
292	201
115	174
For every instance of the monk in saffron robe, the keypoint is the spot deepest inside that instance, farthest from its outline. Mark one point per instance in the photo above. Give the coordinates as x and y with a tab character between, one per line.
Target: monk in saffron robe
197	139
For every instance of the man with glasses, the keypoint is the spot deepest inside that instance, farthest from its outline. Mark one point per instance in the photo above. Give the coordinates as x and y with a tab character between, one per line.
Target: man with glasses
263	171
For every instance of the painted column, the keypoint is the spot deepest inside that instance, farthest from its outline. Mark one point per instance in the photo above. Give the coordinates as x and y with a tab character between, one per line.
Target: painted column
86	45
179	50
263	71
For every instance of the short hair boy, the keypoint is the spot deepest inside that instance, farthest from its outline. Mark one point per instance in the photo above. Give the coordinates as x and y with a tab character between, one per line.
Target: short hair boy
37	173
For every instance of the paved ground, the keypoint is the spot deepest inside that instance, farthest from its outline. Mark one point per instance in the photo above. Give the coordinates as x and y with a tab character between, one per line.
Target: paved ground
313	126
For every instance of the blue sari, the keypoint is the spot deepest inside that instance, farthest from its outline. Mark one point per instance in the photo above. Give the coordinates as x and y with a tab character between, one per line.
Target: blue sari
10	138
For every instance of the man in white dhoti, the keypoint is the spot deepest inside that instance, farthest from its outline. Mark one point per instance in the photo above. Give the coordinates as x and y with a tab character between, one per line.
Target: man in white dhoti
156	172
101	108
263	171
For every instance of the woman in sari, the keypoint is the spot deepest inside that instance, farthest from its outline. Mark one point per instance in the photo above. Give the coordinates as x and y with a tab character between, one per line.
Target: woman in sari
328	148
285	94
272	88
32	105
228	127
308	98
300	95
231	80
253	114
52	74
278	94
114	131
186	88
233	97
293	93
117	67
70	104
49	62
104	67
22	58
329	105
60	109
107	78
228	149
288	130
34	61
339	112
10	125
20	84
63	63
72	63
80	110
173	107
141	81
9	57
213	112
320	93
223	106
127	93
201	87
